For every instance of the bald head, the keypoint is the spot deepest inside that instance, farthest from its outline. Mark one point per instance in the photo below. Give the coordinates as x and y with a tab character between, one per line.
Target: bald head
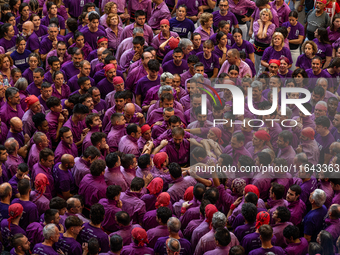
67	160
335	148
100	50
73	205
129	108
16	125
29	26
11	145
5	191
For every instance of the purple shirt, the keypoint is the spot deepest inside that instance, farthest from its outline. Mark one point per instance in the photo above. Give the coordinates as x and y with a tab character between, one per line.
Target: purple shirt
182	28
125	233
34	233
46	21
128	145
170	67
111	209
73	83
160	246
7	113
179	187
204	35
65	148
275	249
33	156
64	180
30	213
90	231
134	249
304	62
157	14
324	142
133	205
92	188
209	64
70	70
297	248
68	245
313	222
50	189
92	37
128	32
114	176
270	53
244	69
282	12
270	31
246	47
8	45
252	241
7	234
229	17
41	202
46	44
12	164
191	5
324	50
76	129
65	91
42	249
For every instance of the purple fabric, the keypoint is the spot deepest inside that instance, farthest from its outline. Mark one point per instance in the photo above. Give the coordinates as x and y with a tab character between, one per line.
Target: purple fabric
7	113
229	17
92	188
41	202
324	50
133	205
297	248
125	233
8	234
297	210
128	145
282	12
68	245
179	187
182	28
70	70
12	164
278	233
304	62
64	180
270	53
244	69
160	247
111	209
33	156
50	189
65	148
90	231
19	137
65	91
34	233
14	183
46	44
252	241
76	129
134	249
246	47
144	5
128	32
327	188
324	142
204	35
8	45
275	249
42	249
30	213
73	84
313	222
113	137
270	31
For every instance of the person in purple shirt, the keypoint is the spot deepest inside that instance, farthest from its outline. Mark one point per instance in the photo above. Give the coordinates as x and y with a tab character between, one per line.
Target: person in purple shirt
105	86
20	244
13	159
67	241
35	87
51	235
99	104
66	145
174	226
236	147
92	32
296	244
313	221
266	234
93	186
63	177
223	242
12	107
296	206
180	24
324	138
128	143
52	13
16	131
333	222
249	212
30	209
85	69
22	172
6	190
224	14
112	204
46	44
138	245
8	41
93	228
177	65
72	68
40	141
46	93
44	166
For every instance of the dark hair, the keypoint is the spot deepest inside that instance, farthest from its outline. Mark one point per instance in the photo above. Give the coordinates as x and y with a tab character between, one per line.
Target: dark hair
111	160
222	235
164	213
131	128
73	221
23	167
93	16
123	218
127	160
283	213
24	186
315	248
97	137
153	65
278	190
116	243
49	215
249	212
193	59
251	198
266	232
199	190
323	33
72	24
323	121
139	40
212	195
264	158
175	170
112	191
139	13
294	14
45	153
93	246
97	167
52	59
137	184
52	102
291	231
144	160
234	67
97	214
58	203
237	250
91	152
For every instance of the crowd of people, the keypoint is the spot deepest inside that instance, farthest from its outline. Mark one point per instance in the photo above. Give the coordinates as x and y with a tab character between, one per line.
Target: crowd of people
103	133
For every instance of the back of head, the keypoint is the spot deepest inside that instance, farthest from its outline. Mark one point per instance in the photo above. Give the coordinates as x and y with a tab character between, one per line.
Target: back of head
116	243
97	214
24	187
199	190
58	203
97	167
123	218
249	212
175	170
137	184
73	221
49	215
93	246
222	236
164	214
174	225
266	232
212	195
237	250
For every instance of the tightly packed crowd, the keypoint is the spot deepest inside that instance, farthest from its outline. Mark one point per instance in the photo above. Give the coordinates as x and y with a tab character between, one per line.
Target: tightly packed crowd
102	127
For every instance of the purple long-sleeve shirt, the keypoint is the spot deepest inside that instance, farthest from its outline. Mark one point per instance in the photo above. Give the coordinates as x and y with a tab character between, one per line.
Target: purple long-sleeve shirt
65	148
50	189
30	212
12	164
111	209
90	231
114	176
7	113
92	188
128	145
133	205
128	32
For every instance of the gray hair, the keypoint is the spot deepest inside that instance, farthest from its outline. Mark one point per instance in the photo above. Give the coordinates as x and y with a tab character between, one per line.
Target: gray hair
138	30
49	230
322	103
302	158
270	152
37	137
21	84
166	75
319	197
321	79
52	25
219	220
12	146
336	147
174	225
257	84
174	245
164	88
11	92
184	43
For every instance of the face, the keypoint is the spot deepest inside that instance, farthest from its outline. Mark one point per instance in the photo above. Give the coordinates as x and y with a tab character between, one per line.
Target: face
173	125
119	87
207	50
36	21
46	92
177	58
86	85
199	70
320	6
80	41
153	74
256	93
231	59
3	156
209	23
178	139
167	115
96	122
55	66
235	144
201	118
218	114
277	41
274	82
89	103
53	32
25	244
96	95
121	121
114	21
77	59
187	50
168	103
273	68
147	135
57	108
211	135
59	79
292	20
12	21
316	65
233	74
265	16
44	127
256	141
15	99
224	6
196	102
140	20
138	133
33	63
17	128
6	63
308	50
281	143
61	49
138	48
237	38
283	66
197	40
49	162
113	9
181	13
94	24
319	113
165	28
26	31
120	102
332	105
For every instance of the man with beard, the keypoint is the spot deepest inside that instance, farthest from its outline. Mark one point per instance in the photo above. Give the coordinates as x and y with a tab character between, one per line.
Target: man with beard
54	64
85	84
35	87
20	244
118	130
99	104
315	18
128	143
92	32
46	93
60	52
105	86
71	69
177	64
85	69
32	39
87	100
